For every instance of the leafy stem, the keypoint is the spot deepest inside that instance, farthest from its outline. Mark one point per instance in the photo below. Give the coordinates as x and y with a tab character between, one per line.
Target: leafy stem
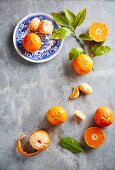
80	43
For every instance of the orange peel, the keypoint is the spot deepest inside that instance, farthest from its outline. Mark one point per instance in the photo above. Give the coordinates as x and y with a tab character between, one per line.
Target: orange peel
75	93
20	149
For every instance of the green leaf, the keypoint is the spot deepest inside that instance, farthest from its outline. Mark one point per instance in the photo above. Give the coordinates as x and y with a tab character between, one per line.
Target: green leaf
101	50
60	19
85	36
80	17
71	144
61	33
75	52
70	18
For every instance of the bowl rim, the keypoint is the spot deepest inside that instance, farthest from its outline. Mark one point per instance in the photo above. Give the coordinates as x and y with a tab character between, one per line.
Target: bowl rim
20	53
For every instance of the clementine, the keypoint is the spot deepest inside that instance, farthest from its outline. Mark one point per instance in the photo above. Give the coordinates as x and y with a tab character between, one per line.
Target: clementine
33	25
56	115
94	137
83	64
45	27
39	140
31	42
103	116
98	31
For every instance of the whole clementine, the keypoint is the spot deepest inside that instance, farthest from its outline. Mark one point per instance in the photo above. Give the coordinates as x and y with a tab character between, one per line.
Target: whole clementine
31	42
103	116
45	27
56	115
83	64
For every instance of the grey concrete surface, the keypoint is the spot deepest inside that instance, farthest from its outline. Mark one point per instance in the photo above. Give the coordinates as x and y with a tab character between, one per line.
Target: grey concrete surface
28	90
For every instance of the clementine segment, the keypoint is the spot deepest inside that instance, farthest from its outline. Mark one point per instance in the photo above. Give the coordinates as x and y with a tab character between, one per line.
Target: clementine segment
83	64
104	116
94	137
45	27
39	140
56	115
98	31
75	93
31	42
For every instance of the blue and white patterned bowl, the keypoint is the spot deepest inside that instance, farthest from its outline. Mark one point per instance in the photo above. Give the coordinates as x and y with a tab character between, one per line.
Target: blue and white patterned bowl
49	49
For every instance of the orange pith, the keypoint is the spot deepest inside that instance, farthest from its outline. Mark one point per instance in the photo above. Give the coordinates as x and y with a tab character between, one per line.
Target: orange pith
31	42
103	116
75	93
39	140
83	64
56	115
45	27
98	31
94	137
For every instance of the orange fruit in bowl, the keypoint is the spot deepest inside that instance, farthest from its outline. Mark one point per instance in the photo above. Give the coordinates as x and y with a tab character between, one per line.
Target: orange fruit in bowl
103	116
39	140
98	31
31	42
83	64
45	27
33	24
94	137
56	115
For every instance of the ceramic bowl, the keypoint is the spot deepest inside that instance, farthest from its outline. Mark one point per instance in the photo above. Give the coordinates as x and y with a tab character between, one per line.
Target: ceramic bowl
49	49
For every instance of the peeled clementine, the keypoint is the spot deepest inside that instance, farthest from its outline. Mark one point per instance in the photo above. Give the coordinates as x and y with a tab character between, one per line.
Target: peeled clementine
83	64
45	27
103	116
94	137
56	115
98	31
33	25
31	42
39	140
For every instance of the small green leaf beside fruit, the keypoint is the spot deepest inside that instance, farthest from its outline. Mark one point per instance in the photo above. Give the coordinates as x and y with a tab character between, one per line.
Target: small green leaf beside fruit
71	144
75	52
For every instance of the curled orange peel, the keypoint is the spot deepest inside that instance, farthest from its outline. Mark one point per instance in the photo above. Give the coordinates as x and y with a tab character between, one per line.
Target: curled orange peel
20	149
75	93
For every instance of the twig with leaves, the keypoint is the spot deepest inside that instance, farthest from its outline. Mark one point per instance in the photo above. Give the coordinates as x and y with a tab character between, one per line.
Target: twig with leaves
69	23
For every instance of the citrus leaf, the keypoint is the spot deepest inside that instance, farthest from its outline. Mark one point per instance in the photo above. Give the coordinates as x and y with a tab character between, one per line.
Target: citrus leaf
80	17
75	52
70	18
85	36
99	50
60	19
61	33
71	144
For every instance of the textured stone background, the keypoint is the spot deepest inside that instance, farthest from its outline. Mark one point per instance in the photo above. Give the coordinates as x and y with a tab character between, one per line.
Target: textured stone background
28	90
